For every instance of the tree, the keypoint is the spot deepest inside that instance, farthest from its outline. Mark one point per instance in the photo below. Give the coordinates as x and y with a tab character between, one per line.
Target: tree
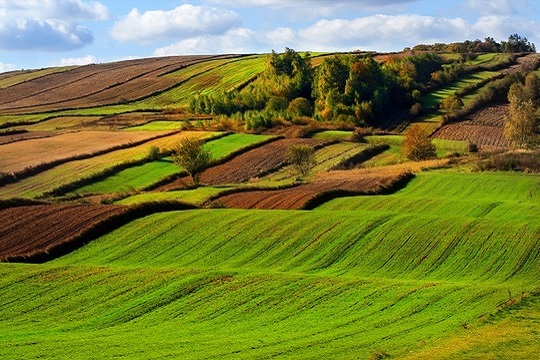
417	144
190	154
520	125
301	157
450	105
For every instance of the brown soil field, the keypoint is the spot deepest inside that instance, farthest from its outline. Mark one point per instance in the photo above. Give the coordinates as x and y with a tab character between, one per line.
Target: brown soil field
246	166
29	229
6	139
484	128
95	84
329	186
20	155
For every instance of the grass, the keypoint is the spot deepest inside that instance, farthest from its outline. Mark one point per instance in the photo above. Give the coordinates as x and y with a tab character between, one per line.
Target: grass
332	135
513	198
432	99
142	176
157	126
273	283
196	196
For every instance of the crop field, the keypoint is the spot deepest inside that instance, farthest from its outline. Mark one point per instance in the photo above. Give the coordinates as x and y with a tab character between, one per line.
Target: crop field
93	85
13	78
62	123
198	196
142	176
20	155
71	171
484	128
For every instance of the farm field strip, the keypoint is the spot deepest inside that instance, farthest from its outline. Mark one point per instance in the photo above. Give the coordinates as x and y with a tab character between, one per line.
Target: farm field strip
325	158
193	196
488	195
23	76
91	81
69	172
141	176
61	123
22	155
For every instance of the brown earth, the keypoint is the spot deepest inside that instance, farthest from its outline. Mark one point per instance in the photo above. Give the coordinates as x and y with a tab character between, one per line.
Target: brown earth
30	229
324	188
246	166
95	84
483	128
6	139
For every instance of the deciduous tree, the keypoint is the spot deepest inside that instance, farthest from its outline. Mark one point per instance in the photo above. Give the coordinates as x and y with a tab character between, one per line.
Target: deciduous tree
190	154
417	144
301	157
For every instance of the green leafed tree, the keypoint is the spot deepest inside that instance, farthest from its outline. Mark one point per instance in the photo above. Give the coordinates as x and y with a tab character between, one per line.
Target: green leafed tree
301	157
190	154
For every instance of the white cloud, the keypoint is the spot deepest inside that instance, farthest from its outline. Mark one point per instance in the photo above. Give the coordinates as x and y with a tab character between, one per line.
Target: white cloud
6	67
47	25
83	60
235	41
184	22
43	35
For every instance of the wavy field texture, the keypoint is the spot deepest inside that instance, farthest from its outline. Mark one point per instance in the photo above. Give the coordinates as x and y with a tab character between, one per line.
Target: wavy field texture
196	196
280	283
69	172
498	196
142	176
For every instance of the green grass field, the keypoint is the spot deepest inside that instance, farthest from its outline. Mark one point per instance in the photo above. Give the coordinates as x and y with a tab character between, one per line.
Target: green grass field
196	196
141	176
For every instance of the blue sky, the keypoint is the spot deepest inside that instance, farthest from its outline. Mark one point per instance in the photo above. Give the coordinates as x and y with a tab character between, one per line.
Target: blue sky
42	33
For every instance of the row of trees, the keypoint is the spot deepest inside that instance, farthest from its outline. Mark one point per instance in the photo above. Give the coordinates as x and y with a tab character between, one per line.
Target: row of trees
522	124
515	44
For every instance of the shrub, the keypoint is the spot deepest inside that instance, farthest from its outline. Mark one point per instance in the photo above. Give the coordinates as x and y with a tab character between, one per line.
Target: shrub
473	148
300	107
154	153
417	144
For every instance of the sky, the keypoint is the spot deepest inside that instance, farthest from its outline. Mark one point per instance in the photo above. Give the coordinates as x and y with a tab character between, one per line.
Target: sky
42	33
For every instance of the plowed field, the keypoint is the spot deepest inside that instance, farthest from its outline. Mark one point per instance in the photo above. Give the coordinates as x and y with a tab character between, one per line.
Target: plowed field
301	196
30	229
94	85
247	165
484	128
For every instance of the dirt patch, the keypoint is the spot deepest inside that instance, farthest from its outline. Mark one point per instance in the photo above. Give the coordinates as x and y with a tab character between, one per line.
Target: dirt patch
484	128
246	166
29	229
310	195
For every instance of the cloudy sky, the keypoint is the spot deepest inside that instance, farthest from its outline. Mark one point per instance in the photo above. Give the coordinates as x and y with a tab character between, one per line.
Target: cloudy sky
42	33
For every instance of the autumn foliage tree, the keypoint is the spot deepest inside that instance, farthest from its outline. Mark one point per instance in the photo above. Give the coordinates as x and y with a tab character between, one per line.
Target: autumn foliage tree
522	122
417	144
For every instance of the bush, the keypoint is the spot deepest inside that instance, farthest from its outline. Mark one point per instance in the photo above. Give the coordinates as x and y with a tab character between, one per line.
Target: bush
417	144
154	153
300	107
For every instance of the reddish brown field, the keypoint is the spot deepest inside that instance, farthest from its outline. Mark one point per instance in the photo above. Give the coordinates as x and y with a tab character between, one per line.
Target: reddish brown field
30	229
306	195
94	85
6	139
484	128
246	166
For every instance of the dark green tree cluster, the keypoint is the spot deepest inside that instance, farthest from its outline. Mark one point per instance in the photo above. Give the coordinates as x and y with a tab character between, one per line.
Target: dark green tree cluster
347	89
515	44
